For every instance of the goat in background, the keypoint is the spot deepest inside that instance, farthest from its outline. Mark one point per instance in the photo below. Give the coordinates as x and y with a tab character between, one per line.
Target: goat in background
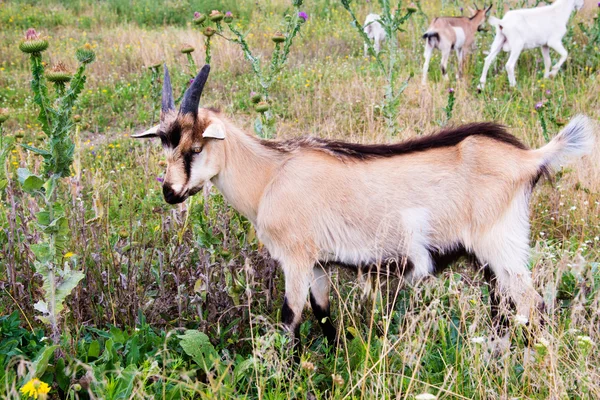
529	28
447	33
375	32
413	206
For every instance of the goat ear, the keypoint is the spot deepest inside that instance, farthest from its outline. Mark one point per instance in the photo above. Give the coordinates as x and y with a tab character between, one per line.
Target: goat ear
215	130
150	133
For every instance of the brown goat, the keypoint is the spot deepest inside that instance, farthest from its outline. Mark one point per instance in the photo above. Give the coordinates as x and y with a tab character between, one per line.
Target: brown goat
447	33
414	206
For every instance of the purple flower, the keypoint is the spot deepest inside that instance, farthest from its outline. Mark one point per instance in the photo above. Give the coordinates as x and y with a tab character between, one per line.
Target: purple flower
539	105
93	153
191	81
461	10
159	179
548	92
451	90
303	15
196	14
229	14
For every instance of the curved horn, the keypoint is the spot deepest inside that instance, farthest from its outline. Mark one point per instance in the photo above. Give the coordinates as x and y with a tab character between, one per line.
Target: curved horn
191	98
168	103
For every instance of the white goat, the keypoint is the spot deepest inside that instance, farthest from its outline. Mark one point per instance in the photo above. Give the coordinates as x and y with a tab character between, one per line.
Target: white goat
447	33
413	206
530	28
375	32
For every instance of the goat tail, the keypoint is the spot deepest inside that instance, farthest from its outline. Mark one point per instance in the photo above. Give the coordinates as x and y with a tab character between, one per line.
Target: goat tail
494	21
576	140
431	37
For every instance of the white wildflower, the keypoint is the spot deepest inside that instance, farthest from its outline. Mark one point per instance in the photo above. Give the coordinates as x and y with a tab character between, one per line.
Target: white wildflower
521	319
478	340
426	396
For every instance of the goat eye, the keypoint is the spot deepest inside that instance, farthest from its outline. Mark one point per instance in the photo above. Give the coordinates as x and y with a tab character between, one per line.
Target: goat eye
196	149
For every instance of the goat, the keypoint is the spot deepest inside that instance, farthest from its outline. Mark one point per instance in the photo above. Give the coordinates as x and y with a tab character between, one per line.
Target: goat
375	32
527	29
414	206
447	33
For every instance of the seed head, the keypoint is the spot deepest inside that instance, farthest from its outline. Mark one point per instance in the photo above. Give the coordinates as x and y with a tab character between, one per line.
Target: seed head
216	16
4	114
262	107
187	48
208	31
58	74
278	37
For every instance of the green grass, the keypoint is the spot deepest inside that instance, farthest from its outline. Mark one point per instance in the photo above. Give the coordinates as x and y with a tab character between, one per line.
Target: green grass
153	270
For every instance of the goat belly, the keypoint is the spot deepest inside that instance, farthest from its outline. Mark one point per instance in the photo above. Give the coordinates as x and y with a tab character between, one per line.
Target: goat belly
460	37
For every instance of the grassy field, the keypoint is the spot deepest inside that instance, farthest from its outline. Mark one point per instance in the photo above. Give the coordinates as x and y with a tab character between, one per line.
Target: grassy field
183	302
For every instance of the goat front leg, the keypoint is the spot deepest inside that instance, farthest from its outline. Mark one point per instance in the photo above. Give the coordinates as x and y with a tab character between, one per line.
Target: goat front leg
460	57
547	61
319	302
297	281
560	49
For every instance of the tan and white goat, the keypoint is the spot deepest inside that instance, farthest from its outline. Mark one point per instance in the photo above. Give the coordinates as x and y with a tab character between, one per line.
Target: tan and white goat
448	33
414	206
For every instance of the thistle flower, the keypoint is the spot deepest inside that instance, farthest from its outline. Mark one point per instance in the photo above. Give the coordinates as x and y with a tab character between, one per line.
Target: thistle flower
85	54
548	92
33	43
159	179
187	48
199	18
278	37
255	97
539	105
228	17
412	8
208	31
4	114
303	16
58	74
216	16
77	118
262	107
451	90
35	388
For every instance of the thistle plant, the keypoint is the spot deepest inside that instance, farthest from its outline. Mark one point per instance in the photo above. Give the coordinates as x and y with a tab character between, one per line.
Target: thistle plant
55	115
540	109
392	22
264	74
450	106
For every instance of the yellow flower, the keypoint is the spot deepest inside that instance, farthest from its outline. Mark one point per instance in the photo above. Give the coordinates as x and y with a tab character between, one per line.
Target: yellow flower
69	254
36	389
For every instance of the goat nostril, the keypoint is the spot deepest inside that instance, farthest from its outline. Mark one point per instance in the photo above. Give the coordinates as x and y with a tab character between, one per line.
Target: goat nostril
168	191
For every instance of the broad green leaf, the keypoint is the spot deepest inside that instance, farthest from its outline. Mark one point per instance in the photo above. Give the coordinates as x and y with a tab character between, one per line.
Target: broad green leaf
94	349
197	345
35	150
29	181
42	252
40	363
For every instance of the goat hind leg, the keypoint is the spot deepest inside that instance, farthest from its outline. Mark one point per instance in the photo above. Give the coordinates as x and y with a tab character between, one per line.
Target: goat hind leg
427	54
494	50
512	62
319	302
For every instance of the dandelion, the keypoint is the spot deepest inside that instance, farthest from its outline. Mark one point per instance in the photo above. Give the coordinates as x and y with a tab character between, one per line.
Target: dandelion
36	389
303	16
69	254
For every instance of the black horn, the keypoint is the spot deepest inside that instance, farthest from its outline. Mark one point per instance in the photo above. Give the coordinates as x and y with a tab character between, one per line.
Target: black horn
191	98
168	103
